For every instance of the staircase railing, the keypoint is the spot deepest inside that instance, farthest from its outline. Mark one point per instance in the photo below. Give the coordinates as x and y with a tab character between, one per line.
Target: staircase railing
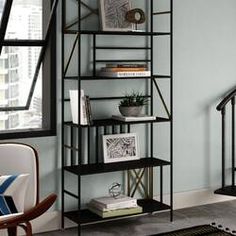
230	190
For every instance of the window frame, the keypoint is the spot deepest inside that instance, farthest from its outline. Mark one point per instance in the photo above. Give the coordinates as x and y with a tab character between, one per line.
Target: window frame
49	116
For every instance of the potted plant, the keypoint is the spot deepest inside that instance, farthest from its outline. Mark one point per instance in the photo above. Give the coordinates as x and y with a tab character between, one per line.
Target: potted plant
132	104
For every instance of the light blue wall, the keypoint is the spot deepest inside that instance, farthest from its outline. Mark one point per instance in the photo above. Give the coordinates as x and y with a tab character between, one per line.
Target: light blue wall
204	70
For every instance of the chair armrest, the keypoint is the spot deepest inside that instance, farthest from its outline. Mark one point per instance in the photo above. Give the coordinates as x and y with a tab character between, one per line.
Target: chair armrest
31	214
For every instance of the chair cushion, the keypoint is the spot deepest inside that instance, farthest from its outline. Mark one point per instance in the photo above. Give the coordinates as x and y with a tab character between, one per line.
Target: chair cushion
16	159
12	194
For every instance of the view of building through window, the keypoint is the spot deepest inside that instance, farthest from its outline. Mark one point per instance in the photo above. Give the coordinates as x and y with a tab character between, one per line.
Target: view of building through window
17	66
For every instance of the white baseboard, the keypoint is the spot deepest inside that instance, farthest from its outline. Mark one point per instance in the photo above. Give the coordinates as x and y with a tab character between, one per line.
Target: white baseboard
52	220
197	198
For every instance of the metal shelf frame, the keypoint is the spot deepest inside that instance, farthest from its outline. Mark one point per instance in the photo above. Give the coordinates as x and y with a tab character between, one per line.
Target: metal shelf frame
71	150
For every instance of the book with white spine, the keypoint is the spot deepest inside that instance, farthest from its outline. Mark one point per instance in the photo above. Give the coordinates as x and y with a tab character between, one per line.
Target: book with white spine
108	202
120	205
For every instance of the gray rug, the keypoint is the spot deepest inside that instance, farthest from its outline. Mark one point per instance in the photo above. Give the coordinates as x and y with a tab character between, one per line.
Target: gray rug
206	230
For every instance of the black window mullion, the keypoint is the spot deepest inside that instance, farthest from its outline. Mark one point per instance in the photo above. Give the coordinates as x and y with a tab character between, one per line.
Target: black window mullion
42	52
4	21
23	43
47	52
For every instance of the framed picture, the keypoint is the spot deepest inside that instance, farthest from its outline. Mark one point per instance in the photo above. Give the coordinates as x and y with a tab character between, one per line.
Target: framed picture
120	147
112	13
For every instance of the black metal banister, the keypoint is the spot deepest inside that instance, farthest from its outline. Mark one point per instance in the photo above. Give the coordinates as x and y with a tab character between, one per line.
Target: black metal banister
233	140
225	101
227	189
223	146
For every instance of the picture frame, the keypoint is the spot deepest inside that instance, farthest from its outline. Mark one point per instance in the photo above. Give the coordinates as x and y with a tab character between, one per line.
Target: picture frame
112	15
120	147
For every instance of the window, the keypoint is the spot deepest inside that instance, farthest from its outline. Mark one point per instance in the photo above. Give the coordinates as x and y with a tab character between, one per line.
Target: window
27	101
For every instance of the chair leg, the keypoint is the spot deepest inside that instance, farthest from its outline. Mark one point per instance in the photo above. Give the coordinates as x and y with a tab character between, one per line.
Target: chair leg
28	229
12	231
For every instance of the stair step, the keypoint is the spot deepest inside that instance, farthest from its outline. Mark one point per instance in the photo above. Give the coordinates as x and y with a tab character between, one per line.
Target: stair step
228	190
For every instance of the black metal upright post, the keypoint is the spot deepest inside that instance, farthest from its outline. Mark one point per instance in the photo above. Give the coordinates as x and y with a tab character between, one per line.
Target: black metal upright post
223	146
79	118
151	88
62	113
171	109
233	140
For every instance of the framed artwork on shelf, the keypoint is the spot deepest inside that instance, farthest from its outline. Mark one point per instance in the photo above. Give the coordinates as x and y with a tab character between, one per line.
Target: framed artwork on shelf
113	15
120	147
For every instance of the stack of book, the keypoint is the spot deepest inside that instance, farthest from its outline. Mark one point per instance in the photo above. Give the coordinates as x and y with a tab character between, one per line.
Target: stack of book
110	207
125	70
85	107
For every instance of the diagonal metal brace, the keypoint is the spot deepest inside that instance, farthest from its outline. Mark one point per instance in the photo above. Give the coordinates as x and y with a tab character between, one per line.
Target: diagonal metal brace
137	182
75	21
161	97
71	54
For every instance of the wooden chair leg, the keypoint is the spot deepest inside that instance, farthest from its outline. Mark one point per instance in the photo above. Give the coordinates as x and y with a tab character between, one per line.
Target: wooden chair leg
12	231
27	228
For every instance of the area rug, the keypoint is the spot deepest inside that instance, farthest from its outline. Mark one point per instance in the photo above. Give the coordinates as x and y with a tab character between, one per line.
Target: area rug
206	230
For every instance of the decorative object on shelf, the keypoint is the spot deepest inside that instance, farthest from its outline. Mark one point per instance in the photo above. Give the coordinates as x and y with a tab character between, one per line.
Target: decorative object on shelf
113	14
136	16
132	104
120	147
115	189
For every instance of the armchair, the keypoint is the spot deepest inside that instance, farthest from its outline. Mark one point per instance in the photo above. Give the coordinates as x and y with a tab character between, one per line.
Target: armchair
15	159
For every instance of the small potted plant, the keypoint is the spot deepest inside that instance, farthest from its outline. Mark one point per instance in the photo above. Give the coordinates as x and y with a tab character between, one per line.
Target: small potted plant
132	104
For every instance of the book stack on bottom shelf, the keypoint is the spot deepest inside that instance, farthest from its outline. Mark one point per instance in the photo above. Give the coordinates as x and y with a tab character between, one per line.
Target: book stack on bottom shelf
110	207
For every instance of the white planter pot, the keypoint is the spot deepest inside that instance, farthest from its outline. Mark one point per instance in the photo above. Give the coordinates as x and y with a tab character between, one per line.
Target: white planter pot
130	111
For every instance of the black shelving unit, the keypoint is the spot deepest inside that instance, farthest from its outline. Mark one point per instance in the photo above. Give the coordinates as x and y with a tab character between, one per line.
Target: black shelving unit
73	141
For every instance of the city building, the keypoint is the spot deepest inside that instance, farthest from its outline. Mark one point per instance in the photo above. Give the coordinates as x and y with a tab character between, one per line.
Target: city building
15	81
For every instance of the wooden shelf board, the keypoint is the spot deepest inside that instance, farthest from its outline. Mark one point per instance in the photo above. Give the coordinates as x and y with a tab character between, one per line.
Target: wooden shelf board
89	169
85	216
